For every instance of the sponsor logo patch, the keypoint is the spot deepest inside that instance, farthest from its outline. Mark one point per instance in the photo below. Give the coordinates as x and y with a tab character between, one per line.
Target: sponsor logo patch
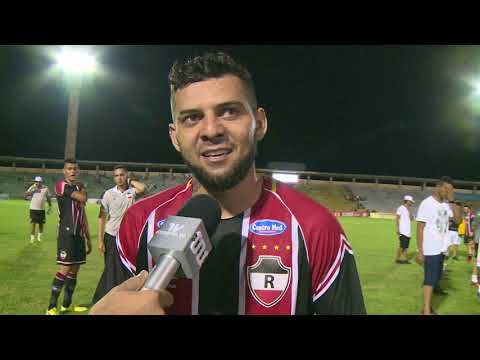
268	280
268	227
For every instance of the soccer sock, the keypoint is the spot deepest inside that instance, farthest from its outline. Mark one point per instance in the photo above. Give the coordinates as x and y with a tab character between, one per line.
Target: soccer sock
70	284
32	237
474	278
57	285
40	235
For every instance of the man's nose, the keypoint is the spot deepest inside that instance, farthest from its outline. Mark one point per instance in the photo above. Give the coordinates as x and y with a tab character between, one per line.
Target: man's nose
212	129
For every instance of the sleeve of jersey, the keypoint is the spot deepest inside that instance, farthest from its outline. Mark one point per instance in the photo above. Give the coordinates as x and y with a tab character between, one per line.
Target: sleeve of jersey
335	283
104	203
421	214
128	237
344	296
60	187
63	189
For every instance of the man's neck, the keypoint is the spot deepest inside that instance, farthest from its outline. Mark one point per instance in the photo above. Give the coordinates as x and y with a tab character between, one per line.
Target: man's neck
437	197
122	188
240	197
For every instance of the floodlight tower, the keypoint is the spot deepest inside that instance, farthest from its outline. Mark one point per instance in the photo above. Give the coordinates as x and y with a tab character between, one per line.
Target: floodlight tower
75	64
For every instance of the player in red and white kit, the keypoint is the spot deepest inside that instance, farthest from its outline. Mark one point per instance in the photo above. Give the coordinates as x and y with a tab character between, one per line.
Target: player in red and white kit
73	242
276	251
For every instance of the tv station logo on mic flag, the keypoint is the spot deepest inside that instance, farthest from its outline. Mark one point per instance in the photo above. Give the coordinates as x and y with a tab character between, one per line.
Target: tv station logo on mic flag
268	280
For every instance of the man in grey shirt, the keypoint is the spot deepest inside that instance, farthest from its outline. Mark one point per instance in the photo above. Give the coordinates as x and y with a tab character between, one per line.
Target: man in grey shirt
114	205
39	193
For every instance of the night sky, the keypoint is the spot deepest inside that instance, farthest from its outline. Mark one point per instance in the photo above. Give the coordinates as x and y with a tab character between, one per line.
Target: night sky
387	110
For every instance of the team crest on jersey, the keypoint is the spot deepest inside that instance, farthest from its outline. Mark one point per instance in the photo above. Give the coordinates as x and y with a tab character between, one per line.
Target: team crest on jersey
268	280
63	254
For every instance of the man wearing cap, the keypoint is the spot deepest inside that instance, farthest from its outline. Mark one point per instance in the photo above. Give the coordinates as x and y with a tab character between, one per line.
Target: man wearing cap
39	193
403	226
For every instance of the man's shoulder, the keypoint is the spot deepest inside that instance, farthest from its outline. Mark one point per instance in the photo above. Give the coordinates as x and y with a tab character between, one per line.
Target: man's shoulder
426	201
308	212
108	193
145	206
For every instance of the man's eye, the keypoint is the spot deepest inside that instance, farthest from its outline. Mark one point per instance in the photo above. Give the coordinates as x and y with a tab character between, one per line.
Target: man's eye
190	119
229	112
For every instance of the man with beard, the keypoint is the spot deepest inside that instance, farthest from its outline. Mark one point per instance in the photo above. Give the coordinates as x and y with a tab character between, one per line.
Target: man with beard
267	229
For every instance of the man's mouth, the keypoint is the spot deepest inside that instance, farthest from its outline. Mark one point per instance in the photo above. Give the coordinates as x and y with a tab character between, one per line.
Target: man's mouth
216	154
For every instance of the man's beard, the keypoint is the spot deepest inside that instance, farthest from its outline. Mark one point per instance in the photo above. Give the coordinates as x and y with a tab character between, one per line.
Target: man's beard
228	180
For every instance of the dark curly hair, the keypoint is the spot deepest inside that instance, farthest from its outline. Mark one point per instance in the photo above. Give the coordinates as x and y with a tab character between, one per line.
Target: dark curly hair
207	66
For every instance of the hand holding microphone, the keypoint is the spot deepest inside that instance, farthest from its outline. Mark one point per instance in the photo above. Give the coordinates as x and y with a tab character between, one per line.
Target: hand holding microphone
183	242
179	249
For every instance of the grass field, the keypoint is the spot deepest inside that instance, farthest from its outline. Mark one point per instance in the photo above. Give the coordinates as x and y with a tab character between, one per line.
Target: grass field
26	271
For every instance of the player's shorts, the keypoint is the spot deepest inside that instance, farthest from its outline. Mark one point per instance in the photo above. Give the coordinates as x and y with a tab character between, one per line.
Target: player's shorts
455	239
37	216
432	267
71	250
404	242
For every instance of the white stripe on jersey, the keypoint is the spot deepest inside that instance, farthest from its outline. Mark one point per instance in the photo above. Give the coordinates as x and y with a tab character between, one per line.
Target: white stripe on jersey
335	268
295	227
243	262
294	264
150	232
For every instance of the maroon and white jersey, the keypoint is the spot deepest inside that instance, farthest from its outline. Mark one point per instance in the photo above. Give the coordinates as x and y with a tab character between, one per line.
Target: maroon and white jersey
469	219
71	212
284	255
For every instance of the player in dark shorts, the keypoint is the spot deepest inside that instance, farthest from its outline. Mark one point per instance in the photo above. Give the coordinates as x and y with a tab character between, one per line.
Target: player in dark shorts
73	242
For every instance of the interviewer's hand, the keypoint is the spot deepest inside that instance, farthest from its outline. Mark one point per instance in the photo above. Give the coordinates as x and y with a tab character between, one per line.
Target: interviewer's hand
128	299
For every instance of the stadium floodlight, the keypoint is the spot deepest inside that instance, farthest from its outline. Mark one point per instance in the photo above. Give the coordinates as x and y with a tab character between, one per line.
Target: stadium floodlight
286	178
74	61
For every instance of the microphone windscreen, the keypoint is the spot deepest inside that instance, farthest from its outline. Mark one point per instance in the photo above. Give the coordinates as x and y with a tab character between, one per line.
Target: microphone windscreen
203	207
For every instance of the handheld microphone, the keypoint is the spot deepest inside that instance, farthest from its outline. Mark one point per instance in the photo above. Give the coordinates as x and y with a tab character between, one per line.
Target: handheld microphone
182	243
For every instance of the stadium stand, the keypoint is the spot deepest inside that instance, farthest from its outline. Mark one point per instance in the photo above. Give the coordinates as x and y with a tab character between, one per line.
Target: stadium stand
331	195
387	197
13	185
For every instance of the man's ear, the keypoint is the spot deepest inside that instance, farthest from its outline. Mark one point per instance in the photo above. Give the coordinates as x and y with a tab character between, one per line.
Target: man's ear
172	130
261	124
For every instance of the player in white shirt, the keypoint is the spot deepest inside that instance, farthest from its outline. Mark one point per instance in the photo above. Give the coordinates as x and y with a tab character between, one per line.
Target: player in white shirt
432	231
403	226
114	204
39	193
